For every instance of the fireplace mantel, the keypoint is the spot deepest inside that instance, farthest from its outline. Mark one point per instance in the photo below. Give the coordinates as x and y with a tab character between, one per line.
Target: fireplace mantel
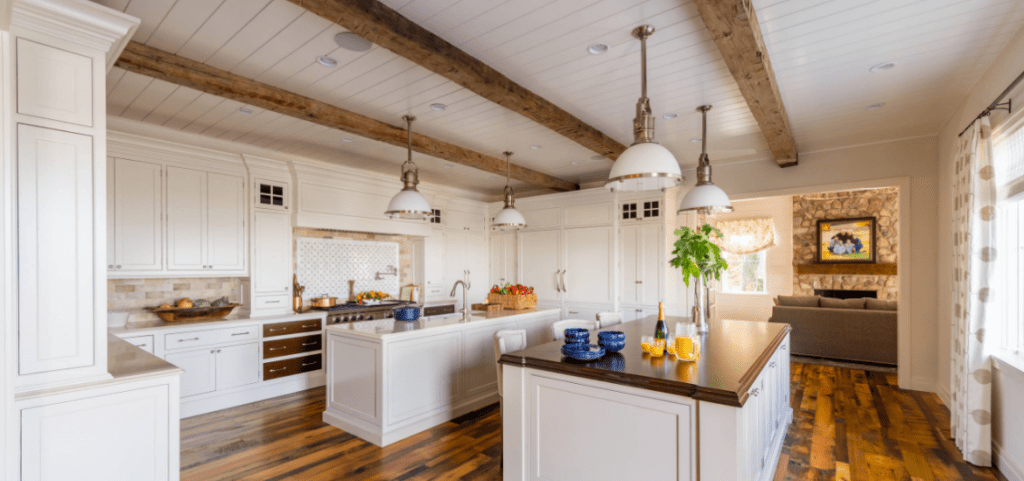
847	269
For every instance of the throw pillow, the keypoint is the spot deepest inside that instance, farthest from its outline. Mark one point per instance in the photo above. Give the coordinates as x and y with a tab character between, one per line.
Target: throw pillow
831	303
798	301
881	305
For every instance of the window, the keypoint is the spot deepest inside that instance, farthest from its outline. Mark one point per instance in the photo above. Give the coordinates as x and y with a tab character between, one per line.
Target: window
435	216
629	211
651	209
1008	278
271	195
647	209
746	273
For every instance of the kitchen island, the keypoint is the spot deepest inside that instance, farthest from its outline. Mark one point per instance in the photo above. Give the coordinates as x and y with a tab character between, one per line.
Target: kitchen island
631	416
388	380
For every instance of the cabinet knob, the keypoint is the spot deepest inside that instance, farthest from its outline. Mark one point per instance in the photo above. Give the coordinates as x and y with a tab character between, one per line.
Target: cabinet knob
118	267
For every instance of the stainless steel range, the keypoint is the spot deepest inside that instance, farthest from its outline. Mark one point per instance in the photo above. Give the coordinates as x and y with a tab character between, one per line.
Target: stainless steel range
355	312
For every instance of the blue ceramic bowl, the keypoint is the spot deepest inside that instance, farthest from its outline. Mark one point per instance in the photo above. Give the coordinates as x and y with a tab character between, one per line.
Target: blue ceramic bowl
611	336
576	335
582	352
406	313
611	346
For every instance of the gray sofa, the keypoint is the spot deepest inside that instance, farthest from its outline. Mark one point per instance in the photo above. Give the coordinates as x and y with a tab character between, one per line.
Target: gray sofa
858	330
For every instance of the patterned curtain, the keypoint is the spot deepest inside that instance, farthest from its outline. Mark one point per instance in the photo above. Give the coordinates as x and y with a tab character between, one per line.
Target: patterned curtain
974	256
746	236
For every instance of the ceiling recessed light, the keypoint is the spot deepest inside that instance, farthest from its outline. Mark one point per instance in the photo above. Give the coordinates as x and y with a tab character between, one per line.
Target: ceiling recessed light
327	61
347	139
245	111
670	116
352	41
438	107
598	48
696	140
883	67
575	162
535	147
875	106
597	157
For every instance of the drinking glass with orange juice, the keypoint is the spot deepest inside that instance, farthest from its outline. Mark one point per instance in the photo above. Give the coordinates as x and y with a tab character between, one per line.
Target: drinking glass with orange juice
686	342
645	343
657	347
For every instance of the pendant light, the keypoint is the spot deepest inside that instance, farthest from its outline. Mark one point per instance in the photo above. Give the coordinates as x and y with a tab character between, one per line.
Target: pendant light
705	198
408	203
645	165
508	217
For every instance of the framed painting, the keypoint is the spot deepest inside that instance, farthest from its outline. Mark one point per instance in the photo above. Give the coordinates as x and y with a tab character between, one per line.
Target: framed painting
846	241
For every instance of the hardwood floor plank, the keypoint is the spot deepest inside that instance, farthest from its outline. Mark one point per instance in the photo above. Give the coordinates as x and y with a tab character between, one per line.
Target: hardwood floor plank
848	425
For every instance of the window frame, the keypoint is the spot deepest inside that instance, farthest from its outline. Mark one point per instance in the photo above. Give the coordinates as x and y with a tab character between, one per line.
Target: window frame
763	261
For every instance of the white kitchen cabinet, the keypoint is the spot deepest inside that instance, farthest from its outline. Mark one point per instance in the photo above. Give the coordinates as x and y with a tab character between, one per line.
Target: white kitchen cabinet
272	248
540	256
137	215
632	313
238	365
200	367
205	221
465	221
186	219
56	255
434	267
503	258
642	264
466	251
588	268
54	83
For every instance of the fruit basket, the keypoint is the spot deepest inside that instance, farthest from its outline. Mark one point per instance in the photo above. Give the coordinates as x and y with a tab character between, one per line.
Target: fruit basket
172	314
515	297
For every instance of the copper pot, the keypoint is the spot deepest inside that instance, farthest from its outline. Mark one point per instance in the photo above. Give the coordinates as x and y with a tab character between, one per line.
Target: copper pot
324	301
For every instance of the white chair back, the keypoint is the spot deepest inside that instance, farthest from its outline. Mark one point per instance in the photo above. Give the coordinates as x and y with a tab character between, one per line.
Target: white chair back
558	328
609	319
508	340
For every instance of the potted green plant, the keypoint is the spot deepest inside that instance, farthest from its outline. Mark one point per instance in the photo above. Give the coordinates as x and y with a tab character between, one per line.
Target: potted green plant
699	258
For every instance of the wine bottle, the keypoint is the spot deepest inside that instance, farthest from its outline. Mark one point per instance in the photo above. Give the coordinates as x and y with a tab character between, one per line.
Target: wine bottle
661	329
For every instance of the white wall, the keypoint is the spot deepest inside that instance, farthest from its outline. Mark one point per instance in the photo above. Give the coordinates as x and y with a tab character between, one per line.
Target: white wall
910	161
779	260
1004	69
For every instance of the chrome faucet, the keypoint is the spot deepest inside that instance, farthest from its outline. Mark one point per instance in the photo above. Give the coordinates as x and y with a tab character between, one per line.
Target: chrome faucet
465	294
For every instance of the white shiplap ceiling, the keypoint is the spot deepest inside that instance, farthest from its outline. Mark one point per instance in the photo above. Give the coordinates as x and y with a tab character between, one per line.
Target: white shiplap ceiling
821	52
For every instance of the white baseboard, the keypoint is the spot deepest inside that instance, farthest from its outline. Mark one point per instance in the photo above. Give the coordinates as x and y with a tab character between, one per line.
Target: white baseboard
1009	467
942	389
926	384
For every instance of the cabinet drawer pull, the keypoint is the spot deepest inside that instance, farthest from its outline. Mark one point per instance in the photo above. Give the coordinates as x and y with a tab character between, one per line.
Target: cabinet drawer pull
311	343
278	329
311	325
240	333
276	370
309	363
278	348
573	312
140	345
190	339
274	302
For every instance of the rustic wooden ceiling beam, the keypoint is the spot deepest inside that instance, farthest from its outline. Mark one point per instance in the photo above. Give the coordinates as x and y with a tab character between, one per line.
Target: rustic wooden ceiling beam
733	25
166	66
383	26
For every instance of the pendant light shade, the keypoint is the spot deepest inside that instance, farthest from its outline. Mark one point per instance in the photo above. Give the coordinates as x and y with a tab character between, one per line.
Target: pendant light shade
508	217
705	198
645	165
408	203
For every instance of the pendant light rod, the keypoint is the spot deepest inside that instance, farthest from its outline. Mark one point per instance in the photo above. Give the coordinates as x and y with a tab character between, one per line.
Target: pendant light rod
643	125
408	129
508	156
704	163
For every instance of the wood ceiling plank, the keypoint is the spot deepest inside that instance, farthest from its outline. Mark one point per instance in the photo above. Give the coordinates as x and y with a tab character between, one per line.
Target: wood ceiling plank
733	26
383	26
165	66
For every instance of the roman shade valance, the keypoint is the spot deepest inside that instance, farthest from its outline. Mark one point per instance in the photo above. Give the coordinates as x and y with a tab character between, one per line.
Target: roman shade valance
746	236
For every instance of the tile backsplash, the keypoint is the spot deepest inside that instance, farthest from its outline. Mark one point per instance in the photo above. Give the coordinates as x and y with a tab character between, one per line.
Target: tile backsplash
325	266
134	295
367	263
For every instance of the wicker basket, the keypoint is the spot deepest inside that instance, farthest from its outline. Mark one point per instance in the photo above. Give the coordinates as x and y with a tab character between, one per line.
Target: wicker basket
192	313
514	302
489	307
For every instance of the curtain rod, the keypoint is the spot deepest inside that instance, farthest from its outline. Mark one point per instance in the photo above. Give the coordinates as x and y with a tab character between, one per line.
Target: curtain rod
996	105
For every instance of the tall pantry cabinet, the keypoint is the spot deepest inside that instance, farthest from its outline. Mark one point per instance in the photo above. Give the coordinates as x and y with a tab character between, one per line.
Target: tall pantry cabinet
269	288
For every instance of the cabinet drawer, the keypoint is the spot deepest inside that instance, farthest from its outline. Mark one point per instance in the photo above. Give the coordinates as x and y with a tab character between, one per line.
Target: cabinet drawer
294	345
181	340
271	302
294	327
291	367
142	342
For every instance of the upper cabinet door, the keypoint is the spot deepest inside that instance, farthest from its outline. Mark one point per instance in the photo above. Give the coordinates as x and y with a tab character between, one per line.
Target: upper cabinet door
272	253
475	262
138	210
186	219
498	259
589	264
56	255
540	252
631	277
226	222
650	263
54	83
509	261
455	256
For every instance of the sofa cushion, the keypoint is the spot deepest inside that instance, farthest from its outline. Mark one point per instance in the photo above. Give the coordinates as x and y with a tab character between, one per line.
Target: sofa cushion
831	303
882	305
798	301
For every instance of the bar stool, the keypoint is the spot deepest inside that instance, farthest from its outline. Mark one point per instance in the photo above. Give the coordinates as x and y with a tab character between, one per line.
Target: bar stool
609	319
558	328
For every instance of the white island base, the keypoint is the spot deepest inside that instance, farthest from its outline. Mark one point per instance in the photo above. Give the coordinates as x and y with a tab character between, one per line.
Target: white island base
388	380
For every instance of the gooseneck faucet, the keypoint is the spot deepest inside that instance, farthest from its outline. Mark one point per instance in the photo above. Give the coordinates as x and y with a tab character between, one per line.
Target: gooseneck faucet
465	294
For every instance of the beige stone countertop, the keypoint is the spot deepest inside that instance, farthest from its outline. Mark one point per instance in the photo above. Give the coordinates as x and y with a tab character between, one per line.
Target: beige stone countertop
232	320
390	327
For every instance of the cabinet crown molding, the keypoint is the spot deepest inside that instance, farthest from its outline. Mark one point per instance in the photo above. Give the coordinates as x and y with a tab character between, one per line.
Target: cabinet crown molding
82	22
131	145
267	168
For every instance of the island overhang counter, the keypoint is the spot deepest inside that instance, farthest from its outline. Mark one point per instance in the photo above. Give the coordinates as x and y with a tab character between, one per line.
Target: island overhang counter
632	416
388	380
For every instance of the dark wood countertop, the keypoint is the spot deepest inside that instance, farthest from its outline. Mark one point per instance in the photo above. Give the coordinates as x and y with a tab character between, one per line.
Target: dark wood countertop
733	354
